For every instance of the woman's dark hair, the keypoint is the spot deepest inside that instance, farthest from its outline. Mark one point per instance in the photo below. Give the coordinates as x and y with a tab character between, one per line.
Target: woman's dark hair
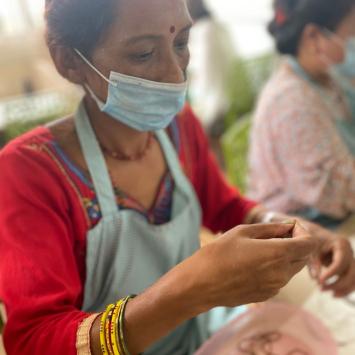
79	24
292	16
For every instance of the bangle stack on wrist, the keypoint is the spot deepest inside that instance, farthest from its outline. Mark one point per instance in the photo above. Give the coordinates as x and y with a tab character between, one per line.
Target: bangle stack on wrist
112	340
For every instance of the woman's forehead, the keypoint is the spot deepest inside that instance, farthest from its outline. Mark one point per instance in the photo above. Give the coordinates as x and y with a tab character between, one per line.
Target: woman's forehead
154	17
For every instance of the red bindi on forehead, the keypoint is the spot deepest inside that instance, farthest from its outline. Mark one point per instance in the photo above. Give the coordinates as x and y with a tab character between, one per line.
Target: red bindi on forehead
172	29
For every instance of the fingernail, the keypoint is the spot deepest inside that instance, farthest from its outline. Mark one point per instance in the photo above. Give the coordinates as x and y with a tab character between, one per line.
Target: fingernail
332	280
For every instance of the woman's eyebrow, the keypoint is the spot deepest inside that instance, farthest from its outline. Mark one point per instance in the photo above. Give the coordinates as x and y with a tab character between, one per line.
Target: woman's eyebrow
136	39
153	37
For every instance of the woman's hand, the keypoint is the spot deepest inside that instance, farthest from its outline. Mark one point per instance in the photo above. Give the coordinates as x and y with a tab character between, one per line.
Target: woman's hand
250	263
343	285
333	263
333	266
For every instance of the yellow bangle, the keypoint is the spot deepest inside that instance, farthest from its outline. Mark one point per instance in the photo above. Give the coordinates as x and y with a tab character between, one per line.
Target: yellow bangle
113	334
121	324
102	330
108	331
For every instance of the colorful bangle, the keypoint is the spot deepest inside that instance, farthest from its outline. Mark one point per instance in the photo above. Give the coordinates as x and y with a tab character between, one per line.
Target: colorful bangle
121	324
102	330
113	333
118	332
107	332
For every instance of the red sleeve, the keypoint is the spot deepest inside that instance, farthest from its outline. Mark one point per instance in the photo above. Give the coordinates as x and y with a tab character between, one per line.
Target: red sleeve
40	282
222	205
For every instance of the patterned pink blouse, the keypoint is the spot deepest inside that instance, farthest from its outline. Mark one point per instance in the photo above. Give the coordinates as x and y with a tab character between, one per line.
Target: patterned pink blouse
298	159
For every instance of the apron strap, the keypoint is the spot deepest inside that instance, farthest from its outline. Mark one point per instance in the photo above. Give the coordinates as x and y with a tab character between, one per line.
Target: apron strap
98	168
95	162
173	162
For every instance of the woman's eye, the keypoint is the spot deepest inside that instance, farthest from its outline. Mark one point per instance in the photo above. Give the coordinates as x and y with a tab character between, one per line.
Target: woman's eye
143	57
182	45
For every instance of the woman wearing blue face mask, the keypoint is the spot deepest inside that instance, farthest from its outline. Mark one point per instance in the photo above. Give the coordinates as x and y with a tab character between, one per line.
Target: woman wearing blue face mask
303	142
109	203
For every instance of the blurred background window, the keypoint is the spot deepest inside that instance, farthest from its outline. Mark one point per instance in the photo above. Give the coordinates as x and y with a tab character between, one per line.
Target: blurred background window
20	15
246	21
30	88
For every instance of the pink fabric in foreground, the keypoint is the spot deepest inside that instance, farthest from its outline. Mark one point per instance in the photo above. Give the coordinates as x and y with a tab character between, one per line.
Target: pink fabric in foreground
273	328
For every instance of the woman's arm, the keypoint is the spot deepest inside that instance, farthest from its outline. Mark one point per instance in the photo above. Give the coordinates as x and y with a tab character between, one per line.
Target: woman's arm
203	281
41	258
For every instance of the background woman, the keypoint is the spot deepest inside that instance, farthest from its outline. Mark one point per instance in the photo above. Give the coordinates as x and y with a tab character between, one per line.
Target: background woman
303	140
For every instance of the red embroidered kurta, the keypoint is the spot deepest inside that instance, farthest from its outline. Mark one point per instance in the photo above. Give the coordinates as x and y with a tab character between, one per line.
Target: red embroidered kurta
44	220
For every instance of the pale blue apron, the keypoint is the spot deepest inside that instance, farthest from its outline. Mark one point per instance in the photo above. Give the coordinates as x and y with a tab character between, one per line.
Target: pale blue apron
126	254
346	129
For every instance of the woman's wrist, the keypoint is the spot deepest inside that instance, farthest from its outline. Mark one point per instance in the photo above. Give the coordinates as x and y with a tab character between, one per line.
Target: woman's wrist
174	299
156	312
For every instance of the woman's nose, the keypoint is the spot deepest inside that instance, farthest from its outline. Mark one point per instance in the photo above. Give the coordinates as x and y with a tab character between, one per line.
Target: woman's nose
174	72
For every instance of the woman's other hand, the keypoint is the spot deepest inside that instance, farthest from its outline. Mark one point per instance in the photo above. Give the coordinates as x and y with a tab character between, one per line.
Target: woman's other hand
332	265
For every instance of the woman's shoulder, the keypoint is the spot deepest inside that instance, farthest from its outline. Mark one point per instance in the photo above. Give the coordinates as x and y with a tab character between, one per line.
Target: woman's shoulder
38	139
30	168
286	85
287	93
29	153
33	140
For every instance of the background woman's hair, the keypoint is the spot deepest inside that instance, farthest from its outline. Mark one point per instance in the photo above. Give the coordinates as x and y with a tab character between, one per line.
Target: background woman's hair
79	24
292	16
198	9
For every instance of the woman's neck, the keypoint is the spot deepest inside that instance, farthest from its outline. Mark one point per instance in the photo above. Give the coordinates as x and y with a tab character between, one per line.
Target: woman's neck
315	71
114	135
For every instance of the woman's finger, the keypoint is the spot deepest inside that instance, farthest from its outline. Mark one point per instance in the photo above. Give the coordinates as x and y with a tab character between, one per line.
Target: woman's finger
345	281
341	259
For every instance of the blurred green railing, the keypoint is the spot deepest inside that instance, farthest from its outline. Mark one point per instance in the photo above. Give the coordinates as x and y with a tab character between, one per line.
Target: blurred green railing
20	114
246	82
235	147
249	78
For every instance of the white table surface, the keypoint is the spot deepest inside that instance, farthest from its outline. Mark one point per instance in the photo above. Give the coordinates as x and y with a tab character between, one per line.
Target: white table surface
337	314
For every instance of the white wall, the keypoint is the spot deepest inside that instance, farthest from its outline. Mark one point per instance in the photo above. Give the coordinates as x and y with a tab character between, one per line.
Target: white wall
12	17
247	21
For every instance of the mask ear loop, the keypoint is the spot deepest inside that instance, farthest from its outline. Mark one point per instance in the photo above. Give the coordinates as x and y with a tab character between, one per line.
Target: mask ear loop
94	68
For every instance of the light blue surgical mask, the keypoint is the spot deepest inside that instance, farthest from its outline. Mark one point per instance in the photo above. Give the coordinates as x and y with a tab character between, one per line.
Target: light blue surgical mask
141	104
347	67
344	73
